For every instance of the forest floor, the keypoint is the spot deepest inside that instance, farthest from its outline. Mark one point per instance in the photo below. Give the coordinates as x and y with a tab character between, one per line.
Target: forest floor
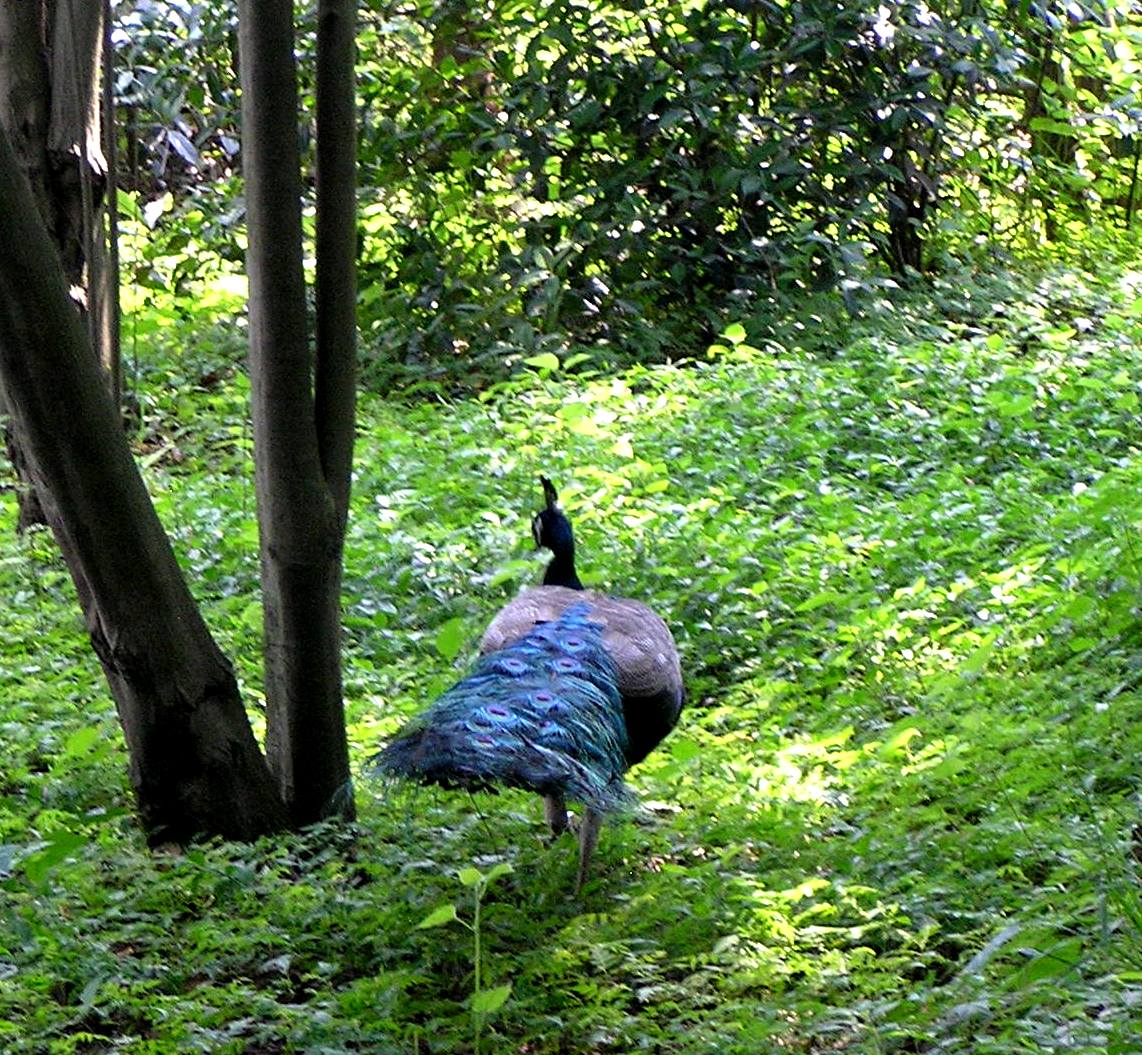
901	557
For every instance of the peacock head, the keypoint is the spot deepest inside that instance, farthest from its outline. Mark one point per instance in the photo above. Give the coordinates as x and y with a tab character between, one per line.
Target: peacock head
550	527
552	530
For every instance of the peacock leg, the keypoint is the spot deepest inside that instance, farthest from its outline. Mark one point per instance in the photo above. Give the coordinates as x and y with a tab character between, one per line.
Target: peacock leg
555	812
588	840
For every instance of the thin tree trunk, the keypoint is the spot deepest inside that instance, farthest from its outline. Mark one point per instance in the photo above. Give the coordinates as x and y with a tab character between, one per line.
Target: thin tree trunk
194	764
300	510
336	248
1131	196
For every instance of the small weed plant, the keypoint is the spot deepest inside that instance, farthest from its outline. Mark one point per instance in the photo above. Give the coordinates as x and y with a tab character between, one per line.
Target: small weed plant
483	1002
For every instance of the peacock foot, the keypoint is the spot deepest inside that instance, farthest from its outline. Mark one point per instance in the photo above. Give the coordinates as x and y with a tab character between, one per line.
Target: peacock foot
567	823
556	815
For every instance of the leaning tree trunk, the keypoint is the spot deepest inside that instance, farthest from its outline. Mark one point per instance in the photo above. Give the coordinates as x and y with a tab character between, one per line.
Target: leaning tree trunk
302	407
49	105
195	766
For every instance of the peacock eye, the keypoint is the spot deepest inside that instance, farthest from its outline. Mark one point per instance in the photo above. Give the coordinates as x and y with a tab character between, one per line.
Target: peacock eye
550	704
555	733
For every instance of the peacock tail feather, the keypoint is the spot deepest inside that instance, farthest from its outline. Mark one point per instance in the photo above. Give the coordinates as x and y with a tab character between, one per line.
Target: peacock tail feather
543	714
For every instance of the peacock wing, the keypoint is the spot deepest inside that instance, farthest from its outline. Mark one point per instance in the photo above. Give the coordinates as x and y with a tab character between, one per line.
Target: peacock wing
638	640
539	604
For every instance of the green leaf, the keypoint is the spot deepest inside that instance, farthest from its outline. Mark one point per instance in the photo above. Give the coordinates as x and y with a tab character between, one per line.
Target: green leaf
450	638
485	1001
1059	960
734	333
470	876
502	869
573	411
684	750
80	742
513	569
1082	644
1079	607
1014	407
898	744
438	917
43	861
1049	124
819	600
543	361
974	663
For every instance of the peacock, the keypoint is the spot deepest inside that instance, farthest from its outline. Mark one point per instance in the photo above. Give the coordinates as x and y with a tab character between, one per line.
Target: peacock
572	688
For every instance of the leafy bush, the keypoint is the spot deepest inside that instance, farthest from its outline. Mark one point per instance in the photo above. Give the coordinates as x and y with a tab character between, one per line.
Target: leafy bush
614	183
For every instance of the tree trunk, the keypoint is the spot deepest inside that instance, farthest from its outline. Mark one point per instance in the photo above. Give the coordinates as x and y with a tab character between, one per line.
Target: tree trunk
336	248
49	104
24	104
302	444
194	764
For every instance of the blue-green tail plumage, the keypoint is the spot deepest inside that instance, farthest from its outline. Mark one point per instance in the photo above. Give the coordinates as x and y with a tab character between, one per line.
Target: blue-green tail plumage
544	714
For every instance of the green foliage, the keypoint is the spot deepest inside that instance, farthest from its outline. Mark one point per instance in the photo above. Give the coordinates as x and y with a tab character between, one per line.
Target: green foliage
596	184
899	814
571	177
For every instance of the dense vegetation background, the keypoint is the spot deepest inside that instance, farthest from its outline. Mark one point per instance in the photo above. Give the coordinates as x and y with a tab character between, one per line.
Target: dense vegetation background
826	319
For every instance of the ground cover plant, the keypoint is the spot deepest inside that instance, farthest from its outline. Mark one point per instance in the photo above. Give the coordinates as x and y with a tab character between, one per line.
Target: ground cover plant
901	813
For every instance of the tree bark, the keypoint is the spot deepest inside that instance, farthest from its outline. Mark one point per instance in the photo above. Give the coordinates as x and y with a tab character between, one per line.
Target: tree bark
105	264
49	103
336	246
194	764
77	169
301	509
25	94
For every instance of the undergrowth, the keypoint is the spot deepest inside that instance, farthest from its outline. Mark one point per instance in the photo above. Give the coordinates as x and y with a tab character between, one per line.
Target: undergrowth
900	814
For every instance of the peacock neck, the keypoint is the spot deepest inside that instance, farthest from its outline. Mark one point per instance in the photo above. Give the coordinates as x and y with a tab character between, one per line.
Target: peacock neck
561	571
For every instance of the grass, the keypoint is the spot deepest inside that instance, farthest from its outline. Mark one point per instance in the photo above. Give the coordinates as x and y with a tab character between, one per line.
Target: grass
901	813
